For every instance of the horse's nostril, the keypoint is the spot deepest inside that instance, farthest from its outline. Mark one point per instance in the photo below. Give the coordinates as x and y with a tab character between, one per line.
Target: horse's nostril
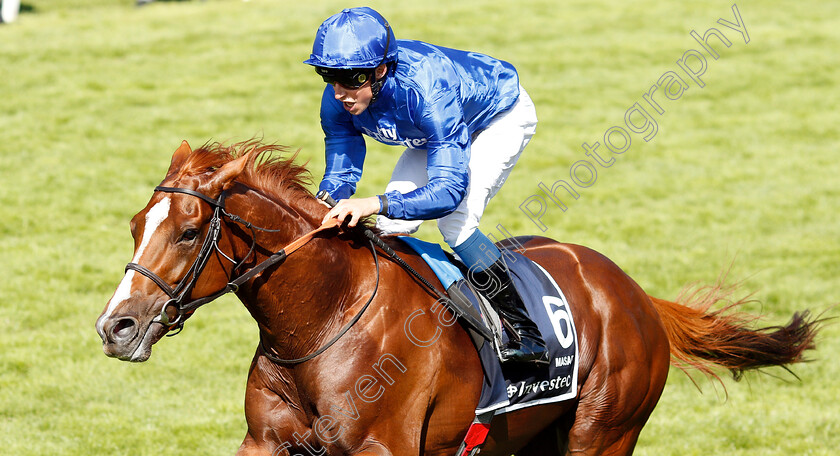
124	329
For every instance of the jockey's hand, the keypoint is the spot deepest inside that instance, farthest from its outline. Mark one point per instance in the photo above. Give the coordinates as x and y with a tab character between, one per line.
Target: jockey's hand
356	208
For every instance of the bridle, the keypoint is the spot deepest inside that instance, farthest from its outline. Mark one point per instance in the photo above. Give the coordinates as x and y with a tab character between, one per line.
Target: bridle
179	294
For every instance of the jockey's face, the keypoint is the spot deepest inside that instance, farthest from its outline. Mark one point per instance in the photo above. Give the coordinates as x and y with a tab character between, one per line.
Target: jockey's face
357	100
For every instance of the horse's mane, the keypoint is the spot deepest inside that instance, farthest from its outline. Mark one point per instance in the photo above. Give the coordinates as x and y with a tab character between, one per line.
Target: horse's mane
275	172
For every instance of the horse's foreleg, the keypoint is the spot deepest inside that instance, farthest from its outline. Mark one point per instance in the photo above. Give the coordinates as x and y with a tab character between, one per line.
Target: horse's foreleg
372	448
249	447
276	427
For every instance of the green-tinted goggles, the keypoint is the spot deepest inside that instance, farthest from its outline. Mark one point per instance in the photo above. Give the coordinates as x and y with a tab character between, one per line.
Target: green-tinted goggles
351	78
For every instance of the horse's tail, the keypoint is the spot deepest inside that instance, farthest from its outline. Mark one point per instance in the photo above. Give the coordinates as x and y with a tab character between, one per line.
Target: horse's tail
704	339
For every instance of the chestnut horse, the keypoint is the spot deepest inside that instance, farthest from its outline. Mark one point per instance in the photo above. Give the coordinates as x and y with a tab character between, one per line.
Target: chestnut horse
339	314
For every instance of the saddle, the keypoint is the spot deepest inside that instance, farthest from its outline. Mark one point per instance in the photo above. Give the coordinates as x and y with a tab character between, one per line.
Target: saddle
511	387
507	388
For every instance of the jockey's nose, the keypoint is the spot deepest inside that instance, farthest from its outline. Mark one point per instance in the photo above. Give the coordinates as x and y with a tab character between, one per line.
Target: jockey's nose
118	330
340	92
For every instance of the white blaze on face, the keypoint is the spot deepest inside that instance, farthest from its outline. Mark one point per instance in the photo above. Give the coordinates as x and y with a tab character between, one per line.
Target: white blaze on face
156	215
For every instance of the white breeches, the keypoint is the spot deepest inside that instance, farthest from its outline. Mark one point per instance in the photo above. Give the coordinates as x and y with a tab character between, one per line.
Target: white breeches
493	153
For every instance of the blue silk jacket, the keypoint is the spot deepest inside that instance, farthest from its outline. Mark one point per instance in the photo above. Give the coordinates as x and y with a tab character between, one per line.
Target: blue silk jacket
435	99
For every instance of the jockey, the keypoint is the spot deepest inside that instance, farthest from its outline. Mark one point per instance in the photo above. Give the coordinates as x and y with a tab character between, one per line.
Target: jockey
463	119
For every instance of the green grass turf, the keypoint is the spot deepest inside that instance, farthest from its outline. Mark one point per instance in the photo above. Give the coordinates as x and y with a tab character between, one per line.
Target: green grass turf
96	94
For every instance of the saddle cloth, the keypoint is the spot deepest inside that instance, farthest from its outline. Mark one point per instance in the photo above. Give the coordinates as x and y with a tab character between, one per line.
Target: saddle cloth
515	386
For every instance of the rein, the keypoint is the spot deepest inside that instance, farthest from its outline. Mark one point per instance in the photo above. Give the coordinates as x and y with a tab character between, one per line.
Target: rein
179	294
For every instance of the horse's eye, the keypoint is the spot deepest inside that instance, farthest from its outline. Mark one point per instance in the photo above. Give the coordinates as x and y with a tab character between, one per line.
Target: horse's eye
189	235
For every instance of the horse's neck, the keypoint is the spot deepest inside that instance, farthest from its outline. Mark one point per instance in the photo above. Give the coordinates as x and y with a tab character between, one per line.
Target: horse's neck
294	303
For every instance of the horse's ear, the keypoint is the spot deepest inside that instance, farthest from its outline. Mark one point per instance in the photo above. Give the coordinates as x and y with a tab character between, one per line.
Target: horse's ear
179	157
224	176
